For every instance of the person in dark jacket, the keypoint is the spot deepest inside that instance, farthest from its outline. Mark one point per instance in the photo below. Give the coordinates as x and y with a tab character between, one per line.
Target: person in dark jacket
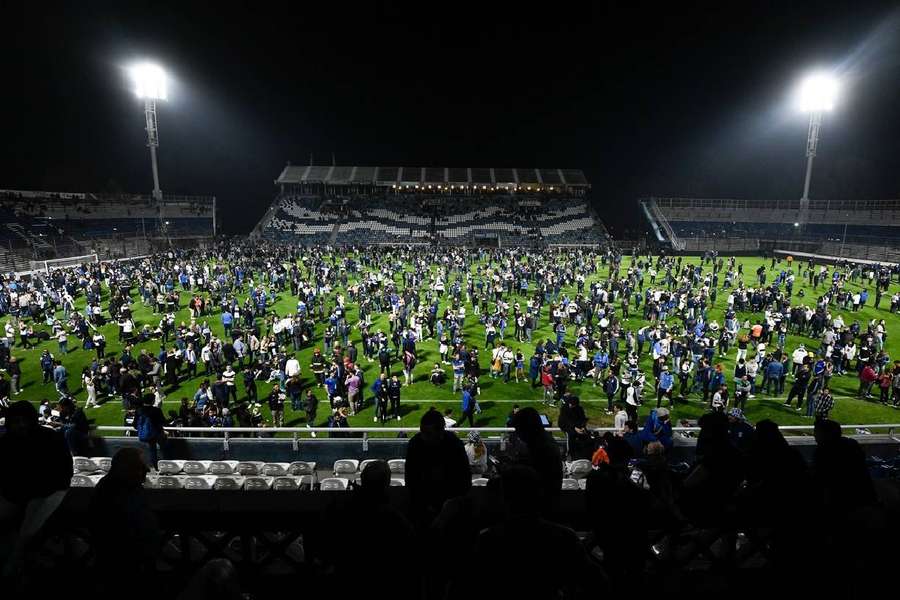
437	468
393	393
533	446
155	428
573	421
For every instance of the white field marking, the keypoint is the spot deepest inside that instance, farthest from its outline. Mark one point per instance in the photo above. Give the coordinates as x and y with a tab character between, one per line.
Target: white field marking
647	400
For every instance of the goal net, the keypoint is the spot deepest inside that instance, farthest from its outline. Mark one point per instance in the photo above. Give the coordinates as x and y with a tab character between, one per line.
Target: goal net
62	263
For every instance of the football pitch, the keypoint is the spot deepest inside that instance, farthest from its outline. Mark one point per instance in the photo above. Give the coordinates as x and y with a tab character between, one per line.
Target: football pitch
497	398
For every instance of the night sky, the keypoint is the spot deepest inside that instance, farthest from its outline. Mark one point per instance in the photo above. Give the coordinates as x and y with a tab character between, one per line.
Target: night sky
694	102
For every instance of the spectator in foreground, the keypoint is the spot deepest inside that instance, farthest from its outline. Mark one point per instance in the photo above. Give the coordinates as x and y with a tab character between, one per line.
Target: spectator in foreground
358	518
35	472
534	447
544	559
124	530
437	467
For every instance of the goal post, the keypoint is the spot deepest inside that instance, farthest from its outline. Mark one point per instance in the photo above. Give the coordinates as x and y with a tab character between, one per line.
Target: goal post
61	263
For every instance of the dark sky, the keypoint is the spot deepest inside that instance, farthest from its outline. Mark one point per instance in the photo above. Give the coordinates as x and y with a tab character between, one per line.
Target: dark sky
692	102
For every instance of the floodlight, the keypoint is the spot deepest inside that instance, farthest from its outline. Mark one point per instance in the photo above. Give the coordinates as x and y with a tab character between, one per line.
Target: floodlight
149	81
817	92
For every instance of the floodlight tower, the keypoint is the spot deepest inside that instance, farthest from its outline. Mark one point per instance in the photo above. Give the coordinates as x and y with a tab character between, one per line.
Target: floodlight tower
816	96
150	86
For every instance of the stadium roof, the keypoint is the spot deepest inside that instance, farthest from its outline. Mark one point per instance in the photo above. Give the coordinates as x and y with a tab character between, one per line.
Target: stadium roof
431	175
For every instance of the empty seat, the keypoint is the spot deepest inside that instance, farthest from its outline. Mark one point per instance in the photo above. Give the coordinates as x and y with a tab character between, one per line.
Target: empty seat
249	468
104	463
229	482
570	484
579	469
82	481
480	482
397	466
346	466
169	467
258	483
169	482
200	482
286	484
397	482
333	484
307	482
301	467
83	464
196	467
275	469
222	467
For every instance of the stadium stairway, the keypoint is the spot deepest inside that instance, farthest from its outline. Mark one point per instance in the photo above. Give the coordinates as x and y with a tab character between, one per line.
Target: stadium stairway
334	232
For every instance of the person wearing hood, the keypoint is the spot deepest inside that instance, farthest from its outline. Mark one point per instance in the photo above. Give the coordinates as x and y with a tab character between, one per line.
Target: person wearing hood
658	428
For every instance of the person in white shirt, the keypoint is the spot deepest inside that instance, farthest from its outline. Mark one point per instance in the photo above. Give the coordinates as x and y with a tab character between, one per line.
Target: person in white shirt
292	367
620	419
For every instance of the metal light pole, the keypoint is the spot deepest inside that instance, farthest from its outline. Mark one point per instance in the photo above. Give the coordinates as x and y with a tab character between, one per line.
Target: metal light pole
817	94
150	86
812	141
153	144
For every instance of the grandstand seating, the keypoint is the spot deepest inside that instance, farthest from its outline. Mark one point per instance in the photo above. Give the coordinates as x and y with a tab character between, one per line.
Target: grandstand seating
277	476
849	227
450	219
43	225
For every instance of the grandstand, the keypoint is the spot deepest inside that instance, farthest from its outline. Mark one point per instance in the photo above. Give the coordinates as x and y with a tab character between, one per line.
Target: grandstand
431	205
39	225
860	229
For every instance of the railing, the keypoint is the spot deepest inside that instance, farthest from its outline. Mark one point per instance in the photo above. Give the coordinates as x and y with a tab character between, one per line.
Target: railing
365	431
661	219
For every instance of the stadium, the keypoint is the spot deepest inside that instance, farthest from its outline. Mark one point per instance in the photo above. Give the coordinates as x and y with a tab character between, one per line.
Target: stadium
376	371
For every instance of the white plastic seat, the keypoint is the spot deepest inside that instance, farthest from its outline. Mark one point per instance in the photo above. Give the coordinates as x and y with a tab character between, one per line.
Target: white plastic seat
302	467
307	482
199	482
229	482
82	481
222	467
579	469
249	468
169	482
480	482
82	464
286	484
346	466
333	484
196	467
570	484
397	482
255	484
169	467
397	466
104	463
275	469
582	484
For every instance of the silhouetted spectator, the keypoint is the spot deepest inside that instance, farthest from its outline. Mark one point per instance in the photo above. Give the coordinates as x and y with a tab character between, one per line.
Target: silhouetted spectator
35	472
437	467
530	557
125	532
533	446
